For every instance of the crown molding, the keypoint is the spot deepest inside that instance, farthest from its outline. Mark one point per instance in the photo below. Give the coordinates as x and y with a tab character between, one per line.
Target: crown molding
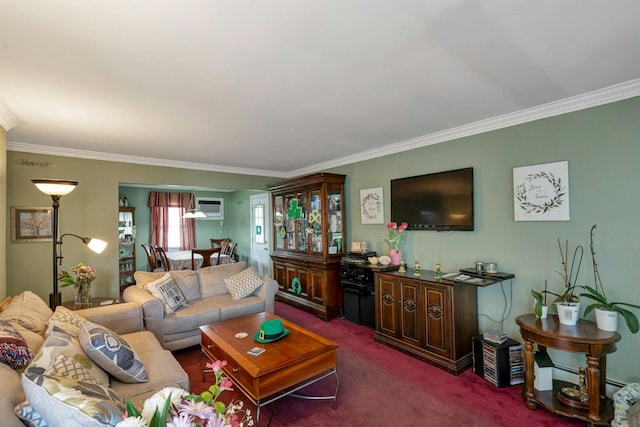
619	92
150	161
8	120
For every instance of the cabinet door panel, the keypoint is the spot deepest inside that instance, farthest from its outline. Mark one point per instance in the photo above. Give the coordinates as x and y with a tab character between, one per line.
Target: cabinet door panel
437	319
280	275
386	303
316	289
410	304
297	277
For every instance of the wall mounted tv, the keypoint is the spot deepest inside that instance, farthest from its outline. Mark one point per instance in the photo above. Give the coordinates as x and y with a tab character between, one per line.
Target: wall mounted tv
440	201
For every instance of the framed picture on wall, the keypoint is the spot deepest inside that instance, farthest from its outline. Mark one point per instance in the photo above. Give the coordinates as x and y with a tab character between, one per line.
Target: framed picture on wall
29	224
541	192
371	206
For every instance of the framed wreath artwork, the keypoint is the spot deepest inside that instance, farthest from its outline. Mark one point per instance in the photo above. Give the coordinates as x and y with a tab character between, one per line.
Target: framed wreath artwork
371	206
31	224
541	192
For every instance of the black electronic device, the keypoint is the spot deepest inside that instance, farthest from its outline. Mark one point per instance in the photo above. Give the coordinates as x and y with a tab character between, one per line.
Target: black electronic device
440	201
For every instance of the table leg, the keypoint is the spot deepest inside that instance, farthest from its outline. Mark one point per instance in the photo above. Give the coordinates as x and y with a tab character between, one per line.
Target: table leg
593	386
528	375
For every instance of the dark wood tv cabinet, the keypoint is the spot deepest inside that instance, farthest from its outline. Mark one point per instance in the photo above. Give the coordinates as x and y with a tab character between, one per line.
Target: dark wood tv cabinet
431	319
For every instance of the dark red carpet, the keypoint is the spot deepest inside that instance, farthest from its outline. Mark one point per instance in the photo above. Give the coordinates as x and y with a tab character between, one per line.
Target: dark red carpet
380	386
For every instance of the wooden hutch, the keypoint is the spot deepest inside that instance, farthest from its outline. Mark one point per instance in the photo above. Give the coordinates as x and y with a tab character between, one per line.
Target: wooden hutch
308	235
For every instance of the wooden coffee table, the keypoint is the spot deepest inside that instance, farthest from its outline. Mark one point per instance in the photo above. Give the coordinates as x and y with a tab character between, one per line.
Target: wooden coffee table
288	365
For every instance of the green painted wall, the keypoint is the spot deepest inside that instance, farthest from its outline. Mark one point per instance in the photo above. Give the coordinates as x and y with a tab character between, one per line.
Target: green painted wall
602	146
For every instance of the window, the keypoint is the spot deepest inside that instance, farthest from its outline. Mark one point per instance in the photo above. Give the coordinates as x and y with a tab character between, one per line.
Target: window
258	218
173	235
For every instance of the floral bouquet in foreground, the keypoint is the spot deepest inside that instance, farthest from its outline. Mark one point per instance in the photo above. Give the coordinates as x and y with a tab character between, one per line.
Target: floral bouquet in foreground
84	276
174	407
396	235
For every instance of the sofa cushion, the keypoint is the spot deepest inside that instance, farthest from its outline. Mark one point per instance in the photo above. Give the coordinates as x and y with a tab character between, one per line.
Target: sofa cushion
187	280
244	283
28	310
14	350
212	278
29	416
168	292
60	341
198	313
112	353
230	308
66	319
64	401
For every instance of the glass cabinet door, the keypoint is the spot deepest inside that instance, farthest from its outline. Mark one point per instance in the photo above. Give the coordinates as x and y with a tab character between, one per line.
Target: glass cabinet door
278	223
315	222
334	204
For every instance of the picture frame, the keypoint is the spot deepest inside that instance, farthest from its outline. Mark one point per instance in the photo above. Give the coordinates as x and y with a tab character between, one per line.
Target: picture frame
541	192
371	206
31	224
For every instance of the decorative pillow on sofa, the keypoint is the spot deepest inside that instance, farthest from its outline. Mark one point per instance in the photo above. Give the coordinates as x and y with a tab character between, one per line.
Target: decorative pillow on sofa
167	290
212	278
64	401
244	283
14	350
28	415
28	310
67	320
60	342
111	352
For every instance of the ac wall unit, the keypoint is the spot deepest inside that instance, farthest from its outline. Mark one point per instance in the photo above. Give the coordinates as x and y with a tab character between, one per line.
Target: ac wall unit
212	207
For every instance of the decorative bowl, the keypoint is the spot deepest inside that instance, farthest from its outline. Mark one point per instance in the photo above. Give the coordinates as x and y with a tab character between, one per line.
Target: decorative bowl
373	260
385	260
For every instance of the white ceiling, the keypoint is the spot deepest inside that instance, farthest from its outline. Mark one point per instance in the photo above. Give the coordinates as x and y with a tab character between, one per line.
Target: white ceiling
282	87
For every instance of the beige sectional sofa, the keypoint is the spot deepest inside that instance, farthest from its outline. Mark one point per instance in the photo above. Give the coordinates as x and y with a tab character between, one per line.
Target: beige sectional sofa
208	300
61	359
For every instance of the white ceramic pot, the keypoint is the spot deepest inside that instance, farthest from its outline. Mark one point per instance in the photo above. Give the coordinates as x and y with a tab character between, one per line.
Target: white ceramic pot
607	320
568	313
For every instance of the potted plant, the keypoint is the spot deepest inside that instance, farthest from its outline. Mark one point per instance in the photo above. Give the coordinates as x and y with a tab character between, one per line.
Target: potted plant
607	311
567	302
540	302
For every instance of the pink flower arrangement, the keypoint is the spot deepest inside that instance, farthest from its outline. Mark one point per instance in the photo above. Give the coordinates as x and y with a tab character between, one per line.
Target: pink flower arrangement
174	407
84	275
396	235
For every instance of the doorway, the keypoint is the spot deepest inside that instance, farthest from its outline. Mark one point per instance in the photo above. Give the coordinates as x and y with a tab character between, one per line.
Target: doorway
260	236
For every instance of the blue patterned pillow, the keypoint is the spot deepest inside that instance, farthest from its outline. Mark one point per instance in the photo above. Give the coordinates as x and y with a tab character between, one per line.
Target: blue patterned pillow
112	353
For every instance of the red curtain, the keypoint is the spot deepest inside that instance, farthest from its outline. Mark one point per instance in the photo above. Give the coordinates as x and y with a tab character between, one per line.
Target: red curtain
159	204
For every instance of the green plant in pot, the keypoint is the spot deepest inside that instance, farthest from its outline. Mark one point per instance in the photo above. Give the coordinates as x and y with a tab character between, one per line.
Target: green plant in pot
540	299
611	308
567	301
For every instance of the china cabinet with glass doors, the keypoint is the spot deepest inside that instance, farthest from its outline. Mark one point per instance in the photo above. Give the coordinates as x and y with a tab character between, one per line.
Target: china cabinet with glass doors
308	235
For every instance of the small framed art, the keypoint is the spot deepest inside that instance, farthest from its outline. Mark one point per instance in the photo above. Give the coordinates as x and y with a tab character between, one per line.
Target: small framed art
29	224
541	192
371	206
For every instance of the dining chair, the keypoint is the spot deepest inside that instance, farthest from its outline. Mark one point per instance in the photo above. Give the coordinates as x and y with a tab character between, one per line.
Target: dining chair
151	256
231	248
206	256
220	243
162	258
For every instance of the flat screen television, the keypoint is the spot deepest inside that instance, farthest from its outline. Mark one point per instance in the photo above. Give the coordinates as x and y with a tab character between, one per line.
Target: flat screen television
441	201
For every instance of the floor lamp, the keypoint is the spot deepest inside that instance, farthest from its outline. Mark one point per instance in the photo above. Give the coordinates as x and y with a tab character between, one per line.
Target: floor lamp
56	188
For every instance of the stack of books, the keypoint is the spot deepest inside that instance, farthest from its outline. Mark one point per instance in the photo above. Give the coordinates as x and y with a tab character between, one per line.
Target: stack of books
495	336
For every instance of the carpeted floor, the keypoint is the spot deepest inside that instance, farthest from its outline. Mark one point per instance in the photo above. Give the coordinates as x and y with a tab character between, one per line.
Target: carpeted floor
380	386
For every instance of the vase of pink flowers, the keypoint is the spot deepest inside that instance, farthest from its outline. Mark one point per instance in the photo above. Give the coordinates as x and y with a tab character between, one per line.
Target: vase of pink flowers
84	275
175	407
395	240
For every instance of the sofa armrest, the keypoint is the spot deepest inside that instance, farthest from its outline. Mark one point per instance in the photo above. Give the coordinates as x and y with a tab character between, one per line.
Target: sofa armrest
120	318
268	293
152	310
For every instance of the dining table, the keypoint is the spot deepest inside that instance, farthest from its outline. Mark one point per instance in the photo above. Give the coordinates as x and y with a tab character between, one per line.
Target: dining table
181	260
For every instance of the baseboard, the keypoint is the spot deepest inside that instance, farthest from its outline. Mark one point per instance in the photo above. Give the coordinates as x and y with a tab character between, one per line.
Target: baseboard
566	373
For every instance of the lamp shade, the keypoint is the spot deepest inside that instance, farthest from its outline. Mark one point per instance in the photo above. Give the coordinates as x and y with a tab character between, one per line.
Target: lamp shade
97	245
55	187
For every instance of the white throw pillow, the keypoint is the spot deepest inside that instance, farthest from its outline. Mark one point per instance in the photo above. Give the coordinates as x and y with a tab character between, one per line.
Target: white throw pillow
167	290
244	283
29	311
